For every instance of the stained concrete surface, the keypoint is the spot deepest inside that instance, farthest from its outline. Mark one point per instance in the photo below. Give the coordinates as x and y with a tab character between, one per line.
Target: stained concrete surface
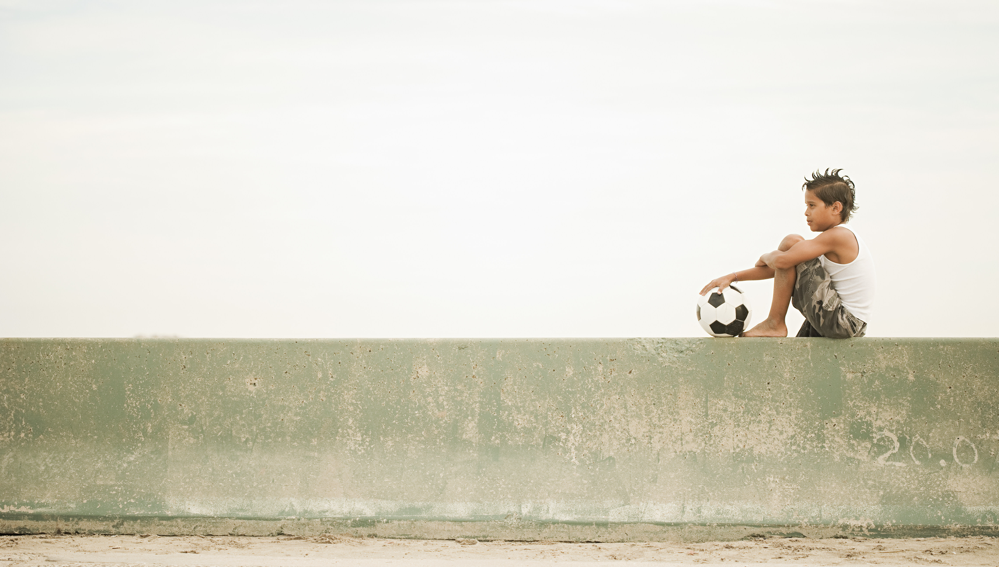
609	440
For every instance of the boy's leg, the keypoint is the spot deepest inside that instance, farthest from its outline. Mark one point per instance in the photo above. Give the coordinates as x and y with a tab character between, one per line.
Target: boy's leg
825	314
773	325
807	330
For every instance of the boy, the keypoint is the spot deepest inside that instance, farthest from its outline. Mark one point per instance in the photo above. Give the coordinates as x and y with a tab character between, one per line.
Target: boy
830	278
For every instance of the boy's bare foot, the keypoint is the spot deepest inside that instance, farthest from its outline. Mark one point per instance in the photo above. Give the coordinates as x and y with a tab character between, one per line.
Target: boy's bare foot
768	328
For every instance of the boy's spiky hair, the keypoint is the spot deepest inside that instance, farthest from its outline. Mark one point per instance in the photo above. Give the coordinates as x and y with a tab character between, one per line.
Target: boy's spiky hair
831	187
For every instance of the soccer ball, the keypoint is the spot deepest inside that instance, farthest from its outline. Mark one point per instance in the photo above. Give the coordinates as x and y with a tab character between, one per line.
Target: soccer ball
724	314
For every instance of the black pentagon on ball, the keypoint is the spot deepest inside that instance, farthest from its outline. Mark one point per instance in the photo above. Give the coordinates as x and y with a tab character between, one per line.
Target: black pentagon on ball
718	327
698	312
741	313
735	328
716	299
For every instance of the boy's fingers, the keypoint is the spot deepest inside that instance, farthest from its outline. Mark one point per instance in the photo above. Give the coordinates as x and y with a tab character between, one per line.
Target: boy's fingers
709	287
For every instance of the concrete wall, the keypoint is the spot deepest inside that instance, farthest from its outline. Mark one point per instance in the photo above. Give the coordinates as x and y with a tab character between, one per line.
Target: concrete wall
566	439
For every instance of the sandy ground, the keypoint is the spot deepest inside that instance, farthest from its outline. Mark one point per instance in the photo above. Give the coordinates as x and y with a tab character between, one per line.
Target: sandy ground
52	550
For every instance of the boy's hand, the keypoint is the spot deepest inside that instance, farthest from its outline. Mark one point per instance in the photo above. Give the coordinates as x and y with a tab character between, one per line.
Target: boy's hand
721	283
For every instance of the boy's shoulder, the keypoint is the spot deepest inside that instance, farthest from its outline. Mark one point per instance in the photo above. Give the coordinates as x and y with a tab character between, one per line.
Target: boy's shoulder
838	231
841	242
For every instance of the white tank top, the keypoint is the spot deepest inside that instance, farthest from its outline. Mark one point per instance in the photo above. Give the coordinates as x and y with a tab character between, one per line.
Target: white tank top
855	282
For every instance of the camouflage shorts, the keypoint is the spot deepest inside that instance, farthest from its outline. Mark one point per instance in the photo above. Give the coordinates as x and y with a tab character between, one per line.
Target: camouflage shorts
825	315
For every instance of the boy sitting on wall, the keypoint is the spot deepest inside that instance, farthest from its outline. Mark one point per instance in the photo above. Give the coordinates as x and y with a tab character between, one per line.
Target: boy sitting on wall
829	278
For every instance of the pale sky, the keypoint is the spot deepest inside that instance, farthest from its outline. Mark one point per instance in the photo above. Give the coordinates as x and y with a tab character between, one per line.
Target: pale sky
539	168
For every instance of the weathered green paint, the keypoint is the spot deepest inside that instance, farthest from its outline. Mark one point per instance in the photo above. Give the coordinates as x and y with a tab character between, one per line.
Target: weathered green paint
590	439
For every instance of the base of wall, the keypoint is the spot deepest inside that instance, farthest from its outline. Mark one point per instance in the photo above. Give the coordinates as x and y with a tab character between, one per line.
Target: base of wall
444	530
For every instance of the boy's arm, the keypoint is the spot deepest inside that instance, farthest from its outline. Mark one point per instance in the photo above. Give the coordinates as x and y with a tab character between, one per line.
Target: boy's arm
804	251
758	272
828	241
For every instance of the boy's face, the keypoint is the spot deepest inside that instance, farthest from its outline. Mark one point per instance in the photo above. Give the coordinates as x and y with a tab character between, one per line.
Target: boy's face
820	216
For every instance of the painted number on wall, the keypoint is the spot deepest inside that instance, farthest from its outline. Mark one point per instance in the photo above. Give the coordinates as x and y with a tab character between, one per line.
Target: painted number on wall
964	452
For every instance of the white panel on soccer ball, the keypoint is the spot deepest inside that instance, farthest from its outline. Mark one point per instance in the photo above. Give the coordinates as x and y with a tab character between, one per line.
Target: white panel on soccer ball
733	296
707	316
707	312
725	313
704	325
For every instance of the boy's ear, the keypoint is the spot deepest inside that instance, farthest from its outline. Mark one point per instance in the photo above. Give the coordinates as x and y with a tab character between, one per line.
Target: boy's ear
837	207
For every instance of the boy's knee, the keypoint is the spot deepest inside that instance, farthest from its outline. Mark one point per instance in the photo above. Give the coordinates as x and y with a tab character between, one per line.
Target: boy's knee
789	241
